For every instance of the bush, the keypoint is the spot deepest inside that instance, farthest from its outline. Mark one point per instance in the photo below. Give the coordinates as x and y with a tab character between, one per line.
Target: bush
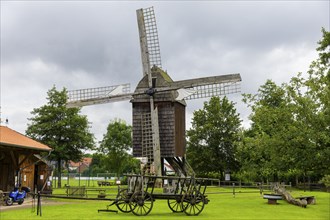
326	181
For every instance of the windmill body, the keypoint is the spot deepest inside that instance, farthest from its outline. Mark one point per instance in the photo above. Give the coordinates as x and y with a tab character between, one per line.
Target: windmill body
158	102
171	119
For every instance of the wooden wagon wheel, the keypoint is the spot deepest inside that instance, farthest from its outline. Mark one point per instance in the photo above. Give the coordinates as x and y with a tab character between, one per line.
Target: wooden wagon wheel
141	203
123	199
193	204
175	204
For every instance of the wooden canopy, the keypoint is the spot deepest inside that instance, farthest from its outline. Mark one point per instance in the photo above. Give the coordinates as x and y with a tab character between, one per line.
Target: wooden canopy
13	139
16	153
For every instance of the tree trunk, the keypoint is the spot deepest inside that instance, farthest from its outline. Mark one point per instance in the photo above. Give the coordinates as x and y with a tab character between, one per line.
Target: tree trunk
297	180
59	173
287	196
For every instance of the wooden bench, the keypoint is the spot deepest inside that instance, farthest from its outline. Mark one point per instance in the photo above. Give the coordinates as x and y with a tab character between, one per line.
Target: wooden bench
76	191
308	199
101	193
272	198
96	190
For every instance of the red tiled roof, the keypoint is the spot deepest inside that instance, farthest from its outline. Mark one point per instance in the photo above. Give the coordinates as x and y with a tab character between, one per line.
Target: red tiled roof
85	160
9	137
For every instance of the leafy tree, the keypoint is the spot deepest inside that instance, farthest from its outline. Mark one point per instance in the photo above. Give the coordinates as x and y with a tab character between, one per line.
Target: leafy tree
212	140
266	143
311	98
115	144
61	128
97	166
290	123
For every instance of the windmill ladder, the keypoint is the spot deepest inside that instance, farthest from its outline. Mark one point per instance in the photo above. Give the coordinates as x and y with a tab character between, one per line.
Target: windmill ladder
181	166
147	144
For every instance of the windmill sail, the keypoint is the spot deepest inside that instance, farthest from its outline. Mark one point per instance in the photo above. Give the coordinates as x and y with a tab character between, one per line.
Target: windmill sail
149	42
100	95
150	54
207	86
203	87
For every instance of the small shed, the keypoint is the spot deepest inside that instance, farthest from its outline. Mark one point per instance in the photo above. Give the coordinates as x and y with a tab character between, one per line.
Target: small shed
20	161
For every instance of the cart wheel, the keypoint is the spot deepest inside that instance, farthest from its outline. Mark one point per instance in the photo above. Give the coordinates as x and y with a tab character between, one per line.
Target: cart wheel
123	201
175	204
193	205
141	204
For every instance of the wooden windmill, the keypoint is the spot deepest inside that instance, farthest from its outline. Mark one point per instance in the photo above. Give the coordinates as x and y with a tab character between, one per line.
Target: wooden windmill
158	102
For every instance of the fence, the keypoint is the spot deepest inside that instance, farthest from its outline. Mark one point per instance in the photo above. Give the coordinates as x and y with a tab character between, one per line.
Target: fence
312	187
78	180
237	186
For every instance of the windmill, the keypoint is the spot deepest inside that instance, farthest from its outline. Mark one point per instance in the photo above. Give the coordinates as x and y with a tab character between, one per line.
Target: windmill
158	102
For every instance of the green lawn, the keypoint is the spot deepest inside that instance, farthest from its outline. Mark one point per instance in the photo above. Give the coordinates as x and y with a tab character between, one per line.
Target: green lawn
247	204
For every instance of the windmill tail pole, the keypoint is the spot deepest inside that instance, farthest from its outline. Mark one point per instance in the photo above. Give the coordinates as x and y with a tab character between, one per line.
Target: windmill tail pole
288	197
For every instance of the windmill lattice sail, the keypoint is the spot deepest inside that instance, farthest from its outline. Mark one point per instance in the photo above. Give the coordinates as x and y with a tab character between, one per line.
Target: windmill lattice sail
220	89
99	95
149	27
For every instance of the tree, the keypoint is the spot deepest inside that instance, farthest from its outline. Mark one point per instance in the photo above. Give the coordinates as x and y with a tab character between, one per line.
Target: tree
213	138
97	165
311	97
115	144
290	123
61	128
266	143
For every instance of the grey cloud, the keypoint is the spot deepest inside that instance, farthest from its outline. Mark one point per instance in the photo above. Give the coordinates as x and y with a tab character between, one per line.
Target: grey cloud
75	36
89	44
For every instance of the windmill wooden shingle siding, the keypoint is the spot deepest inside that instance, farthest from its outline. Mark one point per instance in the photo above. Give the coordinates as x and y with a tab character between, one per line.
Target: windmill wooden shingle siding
171	117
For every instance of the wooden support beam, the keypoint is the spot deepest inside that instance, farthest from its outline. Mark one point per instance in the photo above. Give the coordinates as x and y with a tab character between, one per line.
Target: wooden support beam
25	158
14	159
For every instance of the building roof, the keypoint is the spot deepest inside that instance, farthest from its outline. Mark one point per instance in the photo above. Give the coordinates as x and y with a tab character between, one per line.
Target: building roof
11	138
86	160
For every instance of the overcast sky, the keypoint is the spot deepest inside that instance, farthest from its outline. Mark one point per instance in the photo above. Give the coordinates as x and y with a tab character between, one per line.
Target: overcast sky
85	44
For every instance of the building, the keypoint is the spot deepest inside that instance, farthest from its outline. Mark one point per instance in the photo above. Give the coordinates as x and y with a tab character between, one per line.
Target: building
81	166
21	161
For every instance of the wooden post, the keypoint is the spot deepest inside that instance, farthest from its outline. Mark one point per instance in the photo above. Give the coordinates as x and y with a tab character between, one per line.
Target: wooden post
234	190
261	188
39	204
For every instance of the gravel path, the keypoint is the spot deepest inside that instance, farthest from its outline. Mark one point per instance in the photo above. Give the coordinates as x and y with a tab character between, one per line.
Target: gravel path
28	204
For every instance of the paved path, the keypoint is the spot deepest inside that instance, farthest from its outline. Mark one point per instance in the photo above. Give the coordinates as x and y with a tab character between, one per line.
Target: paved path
28	204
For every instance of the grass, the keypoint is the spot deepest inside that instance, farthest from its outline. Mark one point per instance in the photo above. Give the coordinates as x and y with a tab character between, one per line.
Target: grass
247	204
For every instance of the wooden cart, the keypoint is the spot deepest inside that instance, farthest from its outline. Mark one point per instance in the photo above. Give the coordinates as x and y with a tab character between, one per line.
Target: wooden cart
183	194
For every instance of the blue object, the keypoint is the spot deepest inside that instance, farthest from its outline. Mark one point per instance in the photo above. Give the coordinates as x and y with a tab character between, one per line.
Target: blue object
17	196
